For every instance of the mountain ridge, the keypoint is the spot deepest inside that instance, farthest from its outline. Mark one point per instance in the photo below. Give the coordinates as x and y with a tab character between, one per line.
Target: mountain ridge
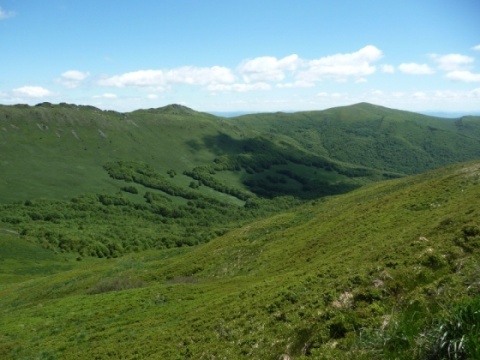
361	136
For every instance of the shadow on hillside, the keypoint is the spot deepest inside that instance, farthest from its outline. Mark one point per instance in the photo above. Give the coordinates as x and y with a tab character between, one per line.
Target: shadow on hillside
221	144
270	169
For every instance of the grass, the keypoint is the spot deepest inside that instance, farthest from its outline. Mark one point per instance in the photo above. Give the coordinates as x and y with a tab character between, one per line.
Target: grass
361	275
284	266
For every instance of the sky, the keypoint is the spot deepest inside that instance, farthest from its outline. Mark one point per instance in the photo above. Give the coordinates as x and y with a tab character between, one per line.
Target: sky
242	55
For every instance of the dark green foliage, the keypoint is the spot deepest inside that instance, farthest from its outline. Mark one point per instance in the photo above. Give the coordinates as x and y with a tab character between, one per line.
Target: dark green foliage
145	175
130	189
110	225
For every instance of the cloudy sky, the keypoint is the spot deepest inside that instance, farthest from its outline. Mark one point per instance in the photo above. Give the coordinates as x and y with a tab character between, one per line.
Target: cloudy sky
242	55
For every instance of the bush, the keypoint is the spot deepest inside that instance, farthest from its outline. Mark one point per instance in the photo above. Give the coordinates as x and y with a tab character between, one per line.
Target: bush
130	189
116	284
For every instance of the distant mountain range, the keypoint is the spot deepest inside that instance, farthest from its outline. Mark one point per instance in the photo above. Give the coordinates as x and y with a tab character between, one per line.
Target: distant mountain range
59	151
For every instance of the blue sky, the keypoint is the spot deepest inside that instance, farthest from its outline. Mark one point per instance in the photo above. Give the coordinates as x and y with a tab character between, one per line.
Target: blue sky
242	55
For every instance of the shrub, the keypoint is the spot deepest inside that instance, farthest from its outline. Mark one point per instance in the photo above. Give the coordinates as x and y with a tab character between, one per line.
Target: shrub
116	284
130	189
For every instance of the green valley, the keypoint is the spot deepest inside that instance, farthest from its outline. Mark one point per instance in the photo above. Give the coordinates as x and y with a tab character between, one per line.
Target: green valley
168	233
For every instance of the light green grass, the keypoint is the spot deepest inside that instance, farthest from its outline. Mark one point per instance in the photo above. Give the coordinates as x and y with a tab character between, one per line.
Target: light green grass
317	280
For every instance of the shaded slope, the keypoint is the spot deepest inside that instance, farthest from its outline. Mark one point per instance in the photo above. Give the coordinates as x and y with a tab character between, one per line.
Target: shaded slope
312	282
376	137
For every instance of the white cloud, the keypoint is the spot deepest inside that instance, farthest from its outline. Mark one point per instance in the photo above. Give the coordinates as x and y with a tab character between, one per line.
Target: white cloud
6	14
296	84
463	75
106	96
340	67
419	95
476	47
240	87
160	78
268	68
415	69
452	62
72	78
388	69
32	91
475	93
152	96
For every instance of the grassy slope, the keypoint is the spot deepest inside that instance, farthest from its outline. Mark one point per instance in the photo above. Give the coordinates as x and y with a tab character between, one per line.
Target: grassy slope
58	151
309	281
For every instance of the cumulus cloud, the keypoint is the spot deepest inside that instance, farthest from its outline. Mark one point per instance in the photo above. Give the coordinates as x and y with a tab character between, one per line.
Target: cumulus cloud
415	69
475	93
72	78
239	87
4	14
268	68
476	47
160	78
452	62
106	96
32	91
259	73
296	84
463	75
419	95
340	67
388	69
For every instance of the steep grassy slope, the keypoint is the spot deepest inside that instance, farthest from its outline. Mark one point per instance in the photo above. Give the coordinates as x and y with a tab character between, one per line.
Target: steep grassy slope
370	274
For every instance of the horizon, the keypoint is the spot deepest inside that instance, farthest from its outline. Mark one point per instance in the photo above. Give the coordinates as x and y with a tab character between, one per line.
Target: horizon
247	57
228	114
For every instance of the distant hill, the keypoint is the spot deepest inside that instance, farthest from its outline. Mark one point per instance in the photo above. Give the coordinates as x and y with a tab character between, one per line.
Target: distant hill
376	137
58	151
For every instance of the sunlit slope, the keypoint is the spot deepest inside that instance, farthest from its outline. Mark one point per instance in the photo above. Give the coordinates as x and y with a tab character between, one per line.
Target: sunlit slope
334	278
58	151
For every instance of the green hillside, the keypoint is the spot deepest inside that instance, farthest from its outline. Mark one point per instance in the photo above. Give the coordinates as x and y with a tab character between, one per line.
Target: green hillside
58	151
171	233
101	183
386	271
376	137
